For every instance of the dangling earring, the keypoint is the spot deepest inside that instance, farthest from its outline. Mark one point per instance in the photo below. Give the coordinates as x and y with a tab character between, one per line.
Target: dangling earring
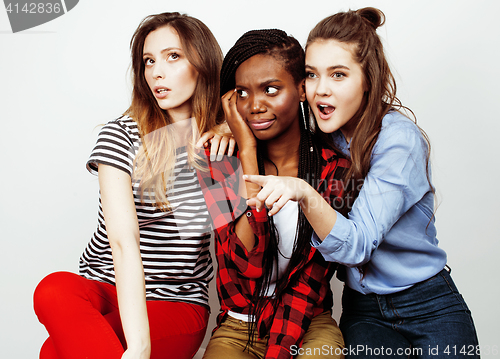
303	115
307	122
312	123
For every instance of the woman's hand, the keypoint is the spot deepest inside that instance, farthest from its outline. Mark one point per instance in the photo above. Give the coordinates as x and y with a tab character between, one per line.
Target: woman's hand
242	133
277	191
221	141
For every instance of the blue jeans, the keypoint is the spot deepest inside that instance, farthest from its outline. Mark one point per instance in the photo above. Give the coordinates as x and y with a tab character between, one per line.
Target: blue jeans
428	320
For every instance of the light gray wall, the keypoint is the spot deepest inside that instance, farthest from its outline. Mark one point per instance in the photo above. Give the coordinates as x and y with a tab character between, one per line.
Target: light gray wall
62	79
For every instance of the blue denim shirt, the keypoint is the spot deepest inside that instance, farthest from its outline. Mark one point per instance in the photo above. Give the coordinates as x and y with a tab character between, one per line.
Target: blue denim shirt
391	225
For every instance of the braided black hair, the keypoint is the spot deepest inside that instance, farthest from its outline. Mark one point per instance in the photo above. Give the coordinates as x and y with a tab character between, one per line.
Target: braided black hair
272	42
286	49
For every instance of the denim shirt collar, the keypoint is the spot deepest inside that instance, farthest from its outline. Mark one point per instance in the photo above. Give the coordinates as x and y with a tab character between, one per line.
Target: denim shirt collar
341	143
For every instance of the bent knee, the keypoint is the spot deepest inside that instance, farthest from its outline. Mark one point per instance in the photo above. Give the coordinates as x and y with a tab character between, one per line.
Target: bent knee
51	291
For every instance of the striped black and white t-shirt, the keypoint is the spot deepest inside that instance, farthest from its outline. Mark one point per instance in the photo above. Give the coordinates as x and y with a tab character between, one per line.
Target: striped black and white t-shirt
174	245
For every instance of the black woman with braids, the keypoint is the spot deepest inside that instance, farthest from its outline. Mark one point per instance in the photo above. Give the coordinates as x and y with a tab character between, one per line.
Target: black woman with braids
273	287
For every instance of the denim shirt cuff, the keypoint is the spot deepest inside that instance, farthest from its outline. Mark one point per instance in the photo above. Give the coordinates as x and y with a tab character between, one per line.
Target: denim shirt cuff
334	241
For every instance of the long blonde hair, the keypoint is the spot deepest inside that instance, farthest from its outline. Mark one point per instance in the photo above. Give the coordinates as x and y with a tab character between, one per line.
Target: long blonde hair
154	163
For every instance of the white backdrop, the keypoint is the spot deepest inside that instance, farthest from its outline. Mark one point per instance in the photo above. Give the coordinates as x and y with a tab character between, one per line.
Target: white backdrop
60	80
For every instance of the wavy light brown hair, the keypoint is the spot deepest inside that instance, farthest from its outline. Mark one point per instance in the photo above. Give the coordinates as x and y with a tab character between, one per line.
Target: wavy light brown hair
154	163
358	28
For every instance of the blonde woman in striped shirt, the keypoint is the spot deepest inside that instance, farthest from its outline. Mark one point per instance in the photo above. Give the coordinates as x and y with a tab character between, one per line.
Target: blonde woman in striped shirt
143	286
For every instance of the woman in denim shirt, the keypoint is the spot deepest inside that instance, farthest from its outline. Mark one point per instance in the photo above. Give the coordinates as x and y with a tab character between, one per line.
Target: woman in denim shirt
399	299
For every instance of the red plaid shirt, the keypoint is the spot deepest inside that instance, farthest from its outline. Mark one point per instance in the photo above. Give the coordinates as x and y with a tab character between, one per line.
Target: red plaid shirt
238	269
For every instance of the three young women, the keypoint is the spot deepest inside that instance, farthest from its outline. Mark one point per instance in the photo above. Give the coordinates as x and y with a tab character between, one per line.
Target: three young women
399	294
273	287
142	290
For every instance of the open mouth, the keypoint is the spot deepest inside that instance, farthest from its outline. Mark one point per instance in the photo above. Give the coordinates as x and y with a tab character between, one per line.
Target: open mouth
161	92
326	109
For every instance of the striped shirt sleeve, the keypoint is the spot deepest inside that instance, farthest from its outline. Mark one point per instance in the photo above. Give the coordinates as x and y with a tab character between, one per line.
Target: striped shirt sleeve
114	147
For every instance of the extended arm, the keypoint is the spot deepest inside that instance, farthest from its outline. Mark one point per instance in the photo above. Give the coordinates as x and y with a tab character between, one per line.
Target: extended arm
396	181
123	234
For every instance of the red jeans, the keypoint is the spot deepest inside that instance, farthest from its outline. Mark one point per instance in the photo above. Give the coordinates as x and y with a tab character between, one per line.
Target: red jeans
83	321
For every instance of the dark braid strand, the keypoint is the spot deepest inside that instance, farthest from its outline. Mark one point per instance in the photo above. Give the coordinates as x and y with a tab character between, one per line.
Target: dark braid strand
271	41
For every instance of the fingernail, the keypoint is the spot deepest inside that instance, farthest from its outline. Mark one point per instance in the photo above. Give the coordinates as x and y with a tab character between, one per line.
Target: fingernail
219	157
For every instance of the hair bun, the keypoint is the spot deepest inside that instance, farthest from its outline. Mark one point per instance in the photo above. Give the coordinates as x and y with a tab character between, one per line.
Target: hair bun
374	16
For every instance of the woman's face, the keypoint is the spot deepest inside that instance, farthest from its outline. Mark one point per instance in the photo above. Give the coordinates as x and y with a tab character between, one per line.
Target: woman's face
170	76
335	85
268	98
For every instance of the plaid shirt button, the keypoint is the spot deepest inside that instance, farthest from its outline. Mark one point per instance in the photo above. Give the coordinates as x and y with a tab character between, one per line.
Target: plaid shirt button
249	214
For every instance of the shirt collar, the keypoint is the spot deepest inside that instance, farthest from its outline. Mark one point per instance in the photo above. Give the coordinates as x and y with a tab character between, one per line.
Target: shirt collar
341	143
